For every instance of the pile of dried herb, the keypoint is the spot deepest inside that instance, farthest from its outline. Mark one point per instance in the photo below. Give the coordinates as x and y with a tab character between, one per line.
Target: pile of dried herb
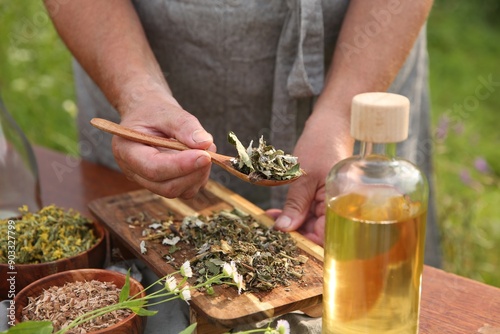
266	258
264	161
47	235
63	304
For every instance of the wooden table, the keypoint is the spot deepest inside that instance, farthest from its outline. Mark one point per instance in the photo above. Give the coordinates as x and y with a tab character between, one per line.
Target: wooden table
450	304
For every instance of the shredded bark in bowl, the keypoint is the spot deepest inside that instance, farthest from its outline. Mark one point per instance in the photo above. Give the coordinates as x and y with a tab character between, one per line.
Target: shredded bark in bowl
62	304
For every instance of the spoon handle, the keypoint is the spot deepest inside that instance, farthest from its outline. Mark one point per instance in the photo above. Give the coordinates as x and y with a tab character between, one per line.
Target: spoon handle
116	129
144	138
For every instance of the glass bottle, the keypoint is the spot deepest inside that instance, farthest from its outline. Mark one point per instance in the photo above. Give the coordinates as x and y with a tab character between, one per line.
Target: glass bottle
375	226
19	182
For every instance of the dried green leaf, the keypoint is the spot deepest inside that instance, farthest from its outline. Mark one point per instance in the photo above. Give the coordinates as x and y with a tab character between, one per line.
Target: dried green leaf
264	256
173	249
244	158
264	161
212	267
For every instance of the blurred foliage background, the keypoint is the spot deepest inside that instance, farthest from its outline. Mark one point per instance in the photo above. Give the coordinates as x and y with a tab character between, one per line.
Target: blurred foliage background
463	39
464	48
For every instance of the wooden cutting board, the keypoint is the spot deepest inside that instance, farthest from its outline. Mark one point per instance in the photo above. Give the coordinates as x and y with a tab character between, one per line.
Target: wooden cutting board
227	308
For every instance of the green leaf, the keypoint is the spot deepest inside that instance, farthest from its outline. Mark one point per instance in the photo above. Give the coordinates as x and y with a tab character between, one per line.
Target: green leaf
124	294
189	329
135	303
31	327
143	312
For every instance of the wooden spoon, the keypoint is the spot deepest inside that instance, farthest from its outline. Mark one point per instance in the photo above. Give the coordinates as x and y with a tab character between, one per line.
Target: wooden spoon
219	159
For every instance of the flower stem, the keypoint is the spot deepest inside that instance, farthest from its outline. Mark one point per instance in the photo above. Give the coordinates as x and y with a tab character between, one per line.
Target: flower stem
135	302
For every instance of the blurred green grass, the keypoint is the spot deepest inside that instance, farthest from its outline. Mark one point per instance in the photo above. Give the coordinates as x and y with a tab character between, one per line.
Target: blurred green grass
464	51
37	88
36	76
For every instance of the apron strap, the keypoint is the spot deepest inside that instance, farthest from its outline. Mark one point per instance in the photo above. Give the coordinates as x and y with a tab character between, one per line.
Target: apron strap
299	73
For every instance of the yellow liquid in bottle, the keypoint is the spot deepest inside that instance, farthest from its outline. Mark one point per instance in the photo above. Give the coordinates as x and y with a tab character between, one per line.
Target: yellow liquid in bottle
374	242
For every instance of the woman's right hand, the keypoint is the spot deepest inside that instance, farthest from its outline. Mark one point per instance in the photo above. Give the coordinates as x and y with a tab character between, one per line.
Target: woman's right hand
168	173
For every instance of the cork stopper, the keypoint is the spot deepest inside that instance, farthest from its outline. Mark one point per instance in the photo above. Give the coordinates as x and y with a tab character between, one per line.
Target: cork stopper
380	117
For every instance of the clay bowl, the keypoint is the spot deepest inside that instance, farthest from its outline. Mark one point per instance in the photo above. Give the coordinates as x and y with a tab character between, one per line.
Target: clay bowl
24	274
133	324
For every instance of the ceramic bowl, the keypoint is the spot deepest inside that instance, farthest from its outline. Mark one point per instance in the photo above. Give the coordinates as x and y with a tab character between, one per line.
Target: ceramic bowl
23	274
133	324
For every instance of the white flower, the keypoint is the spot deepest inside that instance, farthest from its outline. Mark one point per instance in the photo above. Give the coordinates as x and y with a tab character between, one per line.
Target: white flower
228	270
171	284
238	279
186	270
142	245
283	327
233	265
185	295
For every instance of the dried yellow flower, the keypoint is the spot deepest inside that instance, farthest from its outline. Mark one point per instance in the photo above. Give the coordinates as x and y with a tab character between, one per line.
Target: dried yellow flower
47	235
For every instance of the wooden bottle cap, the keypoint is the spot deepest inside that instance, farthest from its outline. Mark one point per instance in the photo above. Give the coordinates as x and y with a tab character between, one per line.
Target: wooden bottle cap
380	117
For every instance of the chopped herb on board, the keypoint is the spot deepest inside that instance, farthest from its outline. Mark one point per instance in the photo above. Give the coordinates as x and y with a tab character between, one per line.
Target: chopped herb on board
266	258
264	161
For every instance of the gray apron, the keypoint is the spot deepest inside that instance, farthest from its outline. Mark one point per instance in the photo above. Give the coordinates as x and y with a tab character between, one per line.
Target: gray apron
251	67
254	68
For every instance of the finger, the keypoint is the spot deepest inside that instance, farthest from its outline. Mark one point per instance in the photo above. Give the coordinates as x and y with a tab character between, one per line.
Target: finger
313	229
187	129
158	165
273	213
161	176
300	196
167	173
171	121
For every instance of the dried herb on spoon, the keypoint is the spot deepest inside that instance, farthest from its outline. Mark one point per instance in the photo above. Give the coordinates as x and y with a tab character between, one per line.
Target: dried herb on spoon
264	161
